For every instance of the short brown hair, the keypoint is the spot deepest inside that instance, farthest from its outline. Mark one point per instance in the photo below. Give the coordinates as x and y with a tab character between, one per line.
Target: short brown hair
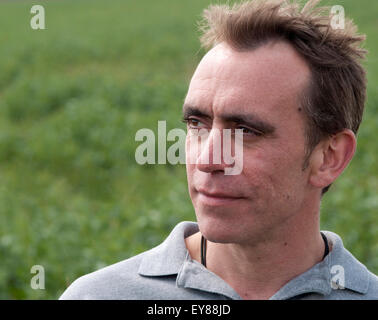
336	95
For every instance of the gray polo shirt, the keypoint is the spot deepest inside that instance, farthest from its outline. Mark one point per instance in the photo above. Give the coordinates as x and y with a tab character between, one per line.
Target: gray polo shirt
167	272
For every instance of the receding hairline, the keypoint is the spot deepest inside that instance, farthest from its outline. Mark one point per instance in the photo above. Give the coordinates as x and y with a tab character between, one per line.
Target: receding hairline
305	88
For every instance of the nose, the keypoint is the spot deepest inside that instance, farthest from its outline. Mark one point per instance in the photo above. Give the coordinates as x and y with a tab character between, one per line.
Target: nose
210	158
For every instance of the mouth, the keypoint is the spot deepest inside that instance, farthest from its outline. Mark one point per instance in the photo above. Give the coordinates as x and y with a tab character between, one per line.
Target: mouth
217	198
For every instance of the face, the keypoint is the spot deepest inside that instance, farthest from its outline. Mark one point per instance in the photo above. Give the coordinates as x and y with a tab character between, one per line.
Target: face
256	91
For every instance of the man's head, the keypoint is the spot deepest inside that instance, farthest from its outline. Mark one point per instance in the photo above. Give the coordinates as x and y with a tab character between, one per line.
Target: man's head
297	89
334	99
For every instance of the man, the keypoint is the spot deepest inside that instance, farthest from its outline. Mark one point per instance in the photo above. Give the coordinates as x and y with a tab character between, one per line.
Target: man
296	89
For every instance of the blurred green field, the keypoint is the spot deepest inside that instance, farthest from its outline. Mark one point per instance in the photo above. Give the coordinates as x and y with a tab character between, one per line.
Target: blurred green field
72	197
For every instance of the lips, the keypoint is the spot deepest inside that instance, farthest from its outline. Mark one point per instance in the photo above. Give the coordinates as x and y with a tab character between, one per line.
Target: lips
215	198
217	194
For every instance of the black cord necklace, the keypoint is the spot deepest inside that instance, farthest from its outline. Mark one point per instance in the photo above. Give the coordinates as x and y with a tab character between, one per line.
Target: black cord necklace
326	248
204	247
203	250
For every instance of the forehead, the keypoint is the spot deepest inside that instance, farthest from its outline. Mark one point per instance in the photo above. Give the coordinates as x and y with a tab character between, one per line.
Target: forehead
268	80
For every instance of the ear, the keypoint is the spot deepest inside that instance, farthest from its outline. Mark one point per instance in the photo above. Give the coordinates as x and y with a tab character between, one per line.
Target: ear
330	157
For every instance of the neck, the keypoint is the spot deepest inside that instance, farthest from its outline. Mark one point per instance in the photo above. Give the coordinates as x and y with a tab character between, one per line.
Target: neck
258	269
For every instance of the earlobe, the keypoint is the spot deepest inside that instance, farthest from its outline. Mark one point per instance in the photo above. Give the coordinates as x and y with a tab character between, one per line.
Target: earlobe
331	157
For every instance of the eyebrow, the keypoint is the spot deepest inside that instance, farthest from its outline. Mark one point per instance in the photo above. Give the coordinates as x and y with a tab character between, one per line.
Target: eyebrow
250	119
189	111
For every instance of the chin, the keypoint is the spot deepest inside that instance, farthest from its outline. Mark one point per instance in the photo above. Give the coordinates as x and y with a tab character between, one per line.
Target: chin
240	225
218	230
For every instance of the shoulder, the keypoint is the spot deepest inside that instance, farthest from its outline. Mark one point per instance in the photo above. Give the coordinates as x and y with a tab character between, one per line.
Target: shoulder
110	282
149	275
372	292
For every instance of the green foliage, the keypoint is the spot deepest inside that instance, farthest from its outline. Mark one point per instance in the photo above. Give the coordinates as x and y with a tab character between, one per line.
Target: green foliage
72	97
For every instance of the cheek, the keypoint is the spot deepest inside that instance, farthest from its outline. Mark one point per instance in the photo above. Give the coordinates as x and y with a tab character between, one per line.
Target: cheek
189	175
190	166
192	149
273	174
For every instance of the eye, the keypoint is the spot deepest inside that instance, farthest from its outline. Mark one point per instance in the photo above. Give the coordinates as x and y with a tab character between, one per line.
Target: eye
193	123
248	131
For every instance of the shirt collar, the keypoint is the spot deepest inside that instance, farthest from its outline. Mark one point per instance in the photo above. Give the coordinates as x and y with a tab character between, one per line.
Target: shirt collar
339	270
172	257
168	257
356	275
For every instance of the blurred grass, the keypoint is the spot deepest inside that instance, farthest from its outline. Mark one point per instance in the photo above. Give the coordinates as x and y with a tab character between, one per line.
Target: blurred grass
72	97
